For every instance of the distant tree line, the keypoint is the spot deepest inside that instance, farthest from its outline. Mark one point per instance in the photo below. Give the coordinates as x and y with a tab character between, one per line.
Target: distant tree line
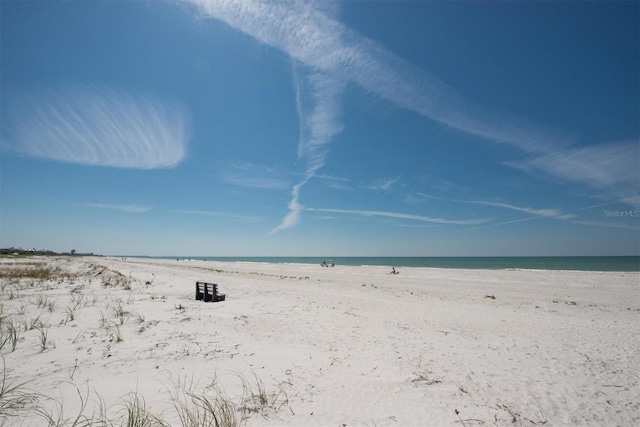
21	251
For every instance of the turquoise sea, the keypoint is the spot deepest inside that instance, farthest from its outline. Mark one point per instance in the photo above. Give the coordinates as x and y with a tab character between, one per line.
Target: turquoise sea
590	263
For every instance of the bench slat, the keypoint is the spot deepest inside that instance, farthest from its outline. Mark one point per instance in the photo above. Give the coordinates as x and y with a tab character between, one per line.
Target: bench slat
208	292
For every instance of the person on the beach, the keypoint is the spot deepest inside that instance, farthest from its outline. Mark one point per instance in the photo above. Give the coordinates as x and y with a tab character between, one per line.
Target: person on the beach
393	271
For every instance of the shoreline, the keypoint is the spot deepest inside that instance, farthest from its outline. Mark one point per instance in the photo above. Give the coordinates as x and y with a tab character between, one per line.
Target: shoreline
567	263
345	345
384	262
388	266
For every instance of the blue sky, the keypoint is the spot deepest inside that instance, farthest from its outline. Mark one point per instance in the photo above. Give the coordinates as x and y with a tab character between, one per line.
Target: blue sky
321	128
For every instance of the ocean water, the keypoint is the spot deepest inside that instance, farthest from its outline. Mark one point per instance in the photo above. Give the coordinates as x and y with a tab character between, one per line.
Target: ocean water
591	263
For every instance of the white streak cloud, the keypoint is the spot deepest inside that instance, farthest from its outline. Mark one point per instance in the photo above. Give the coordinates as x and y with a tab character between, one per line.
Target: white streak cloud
401	216
255	176
123	208
538	212
329	49
613	168
98	126
319	111
315	39
232	216
550	213
332	55
295	208
607	224
382	184
502	223
599	165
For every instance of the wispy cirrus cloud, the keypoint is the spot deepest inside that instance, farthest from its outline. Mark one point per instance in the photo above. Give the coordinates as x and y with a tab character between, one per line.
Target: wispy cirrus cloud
292	218
536	212
232	216
318	103
607	167
607	224
602	166
251	175
398	215
97	126
331	55
382	184
334	182
545	212
314	38
123	208
565	216
498	224
532	211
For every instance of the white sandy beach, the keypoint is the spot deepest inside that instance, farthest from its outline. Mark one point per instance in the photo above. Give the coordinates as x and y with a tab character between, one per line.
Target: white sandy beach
350	346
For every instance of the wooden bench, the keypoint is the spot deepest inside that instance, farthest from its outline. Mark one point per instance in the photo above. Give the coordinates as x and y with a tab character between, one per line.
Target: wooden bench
208	292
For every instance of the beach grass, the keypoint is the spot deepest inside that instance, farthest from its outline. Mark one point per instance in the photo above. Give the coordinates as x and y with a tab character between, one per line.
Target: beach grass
24	288
210	408
207	410
15	399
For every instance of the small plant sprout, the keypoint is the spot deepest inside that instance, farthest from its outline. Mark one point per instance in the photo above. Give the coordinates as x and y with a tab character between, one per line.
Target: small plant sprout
79	301
121	314
45	342
73	369
42	301
51	306
34	323
117	335
104	323
71	314
139	318
9	335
